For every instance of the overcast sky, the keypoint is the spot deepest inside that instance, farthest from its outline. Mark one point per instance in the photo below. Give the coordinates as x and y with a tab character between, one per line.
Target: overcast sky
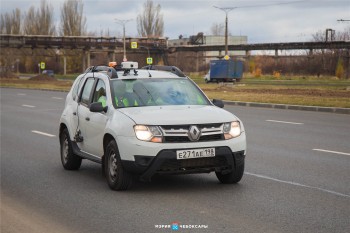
262	21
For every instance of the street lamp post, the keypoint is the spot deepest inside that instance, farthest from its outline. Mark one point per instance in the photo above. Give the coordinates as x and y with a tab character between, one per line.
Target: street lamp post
226	10
123	22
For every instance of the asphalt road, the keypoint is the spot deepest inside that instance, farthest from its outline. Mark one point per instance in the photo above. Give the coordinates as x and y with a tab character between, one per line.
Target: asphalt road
297	178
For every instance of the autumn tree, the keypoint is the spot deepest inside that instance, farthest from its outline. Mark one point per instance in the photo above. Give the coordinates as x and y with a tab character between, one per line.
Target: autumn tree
339	71
39	21
150	23
73	21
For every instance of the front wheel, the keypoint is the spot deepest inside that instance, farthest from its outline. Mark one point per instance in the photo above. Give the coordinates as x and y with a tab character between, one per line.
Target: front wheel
69	160
117	178
233	177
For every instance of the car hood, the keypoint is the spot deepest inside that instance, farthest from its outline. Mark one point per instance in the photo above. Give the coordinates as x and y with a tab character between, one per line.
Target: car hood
177	115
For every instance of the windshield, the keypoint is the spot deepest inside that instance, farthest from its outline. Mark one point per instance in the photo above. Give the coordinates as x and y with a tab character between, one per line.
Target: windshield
156	92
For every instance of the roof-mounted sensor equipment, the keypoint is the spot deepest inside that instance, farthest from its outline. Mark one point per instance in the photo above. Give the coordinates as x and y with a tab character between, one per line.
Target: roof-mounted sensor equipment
129	65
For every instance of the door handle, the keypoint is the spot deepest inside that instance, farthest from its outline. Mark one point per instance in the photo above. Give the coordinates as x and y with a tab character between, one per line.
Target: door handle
87	118
74	113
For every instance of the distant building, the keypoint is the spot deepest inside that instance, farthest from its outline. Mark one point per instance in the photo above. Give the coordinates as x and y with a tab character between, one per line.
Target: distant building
211	40
231	40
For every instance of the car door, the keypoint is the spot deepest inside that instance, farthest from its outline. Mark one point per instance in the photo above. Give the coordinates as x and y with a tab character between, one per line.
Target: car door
72	106
83	112
95	122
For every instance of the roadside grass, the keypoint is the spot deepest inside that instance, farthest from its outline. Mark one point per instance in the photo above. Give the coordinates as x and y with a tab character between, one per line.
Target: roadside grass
295	90
283	80
56	85
343	102
323	91
57	76
66	77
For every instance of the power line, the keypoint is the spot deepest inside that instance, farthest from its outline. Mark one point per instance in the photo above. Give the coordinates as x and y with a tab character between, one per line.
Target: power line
271	4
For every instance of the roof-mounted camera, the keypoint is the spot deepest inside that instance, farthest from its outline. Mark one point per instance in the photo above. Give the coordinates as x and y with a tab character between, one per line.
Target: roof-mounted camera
130	65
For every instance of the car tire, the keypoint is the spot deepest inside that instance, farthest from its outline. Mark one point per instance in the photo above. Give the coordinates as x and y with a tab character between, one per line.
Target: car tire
233	177
69	160
117	178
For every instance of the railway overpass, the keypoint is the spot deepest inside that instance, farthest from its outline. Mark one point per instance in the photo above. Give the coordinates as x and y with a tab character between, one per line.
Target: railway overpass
114	45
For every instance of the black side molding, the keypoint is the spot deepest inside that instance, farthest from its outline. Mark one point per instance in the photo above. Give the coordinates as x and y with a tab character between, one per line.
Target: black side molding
77	151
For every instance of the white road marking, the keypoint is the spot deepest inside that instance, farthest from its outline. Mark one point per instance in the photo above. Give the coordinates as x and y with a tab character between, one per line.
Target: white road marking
57	98
42	133
298	184
330	151
28	106
21	94
286	122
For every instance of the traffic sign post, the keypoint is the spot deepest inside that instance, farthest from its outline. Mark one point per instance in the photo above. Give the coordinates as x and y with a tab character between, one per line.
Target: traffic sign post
134	45
149	61
42	65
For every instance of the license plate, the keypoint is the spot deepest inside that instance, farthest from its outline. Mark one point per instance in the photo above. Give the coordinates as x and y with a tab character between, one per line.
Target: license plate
197	153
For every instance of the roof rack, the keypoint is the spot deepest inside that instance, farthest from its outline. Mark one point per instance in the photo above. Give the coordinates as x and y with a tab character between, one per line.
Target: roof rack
172	69
111	72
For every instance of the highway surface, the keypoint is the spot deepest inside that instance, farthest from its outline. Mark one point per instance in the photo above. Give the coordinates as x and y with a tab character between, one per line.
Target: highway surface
297	178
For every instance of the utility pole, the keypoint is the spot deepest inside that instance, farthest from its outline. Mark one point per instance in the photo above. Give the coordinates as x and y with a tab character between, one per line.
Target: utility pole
226	10
123	22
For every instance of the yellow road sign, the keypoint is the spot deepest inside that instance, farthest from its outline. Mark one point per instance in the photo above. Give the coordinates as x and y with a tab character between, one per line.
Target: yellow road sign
226	57
149	61
42	65
134	45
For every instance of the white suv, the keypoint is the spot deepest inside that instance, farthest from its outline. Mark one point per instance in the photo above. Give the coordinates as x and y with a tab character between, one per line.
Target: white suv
142	122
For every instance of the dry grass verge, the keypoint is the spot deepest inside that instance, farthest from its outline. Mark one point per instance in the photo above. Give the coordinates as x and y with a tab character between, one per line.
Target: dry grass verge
324	95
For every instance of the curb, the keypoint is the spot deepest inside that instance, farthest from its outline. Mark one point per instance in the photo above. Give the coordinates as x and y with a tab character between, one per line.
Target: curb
291	107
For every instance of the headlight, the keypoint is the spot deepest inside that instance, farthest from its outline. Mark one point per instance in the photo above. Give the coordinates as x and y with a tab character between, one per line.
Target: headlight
231	130
148	133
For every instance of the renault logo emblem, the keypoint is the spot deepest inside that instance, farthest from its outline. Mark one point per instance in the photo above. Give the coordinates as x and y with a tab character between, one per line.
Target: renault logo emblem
194	133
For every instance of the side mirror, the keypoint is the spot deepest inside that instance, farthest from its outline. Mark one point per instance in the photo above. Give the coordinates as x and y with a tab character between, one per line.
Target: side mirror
218	103
97	107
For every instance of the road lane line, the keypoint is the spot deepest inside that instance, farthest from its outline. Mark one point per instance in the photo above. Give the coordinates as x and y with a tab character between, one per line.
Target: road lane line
298	184
57	98
28	106
43	133
331	151
286	122
21	94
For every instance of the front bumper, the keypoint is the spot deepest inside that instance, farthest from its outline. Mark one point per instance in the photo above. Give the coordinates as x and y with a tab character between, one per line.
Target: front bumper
165	162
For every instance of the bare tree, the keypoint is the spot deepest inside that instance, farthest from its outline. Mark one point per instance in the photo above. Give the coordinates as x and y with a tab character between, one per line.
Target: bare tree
339	36
217	29
40	21
150	23
73	21
11	23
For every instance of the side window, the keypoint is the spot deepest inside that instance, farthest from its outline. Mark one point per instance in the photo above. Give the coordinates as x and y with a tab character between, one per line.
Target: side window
85	97
76	87
100	93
